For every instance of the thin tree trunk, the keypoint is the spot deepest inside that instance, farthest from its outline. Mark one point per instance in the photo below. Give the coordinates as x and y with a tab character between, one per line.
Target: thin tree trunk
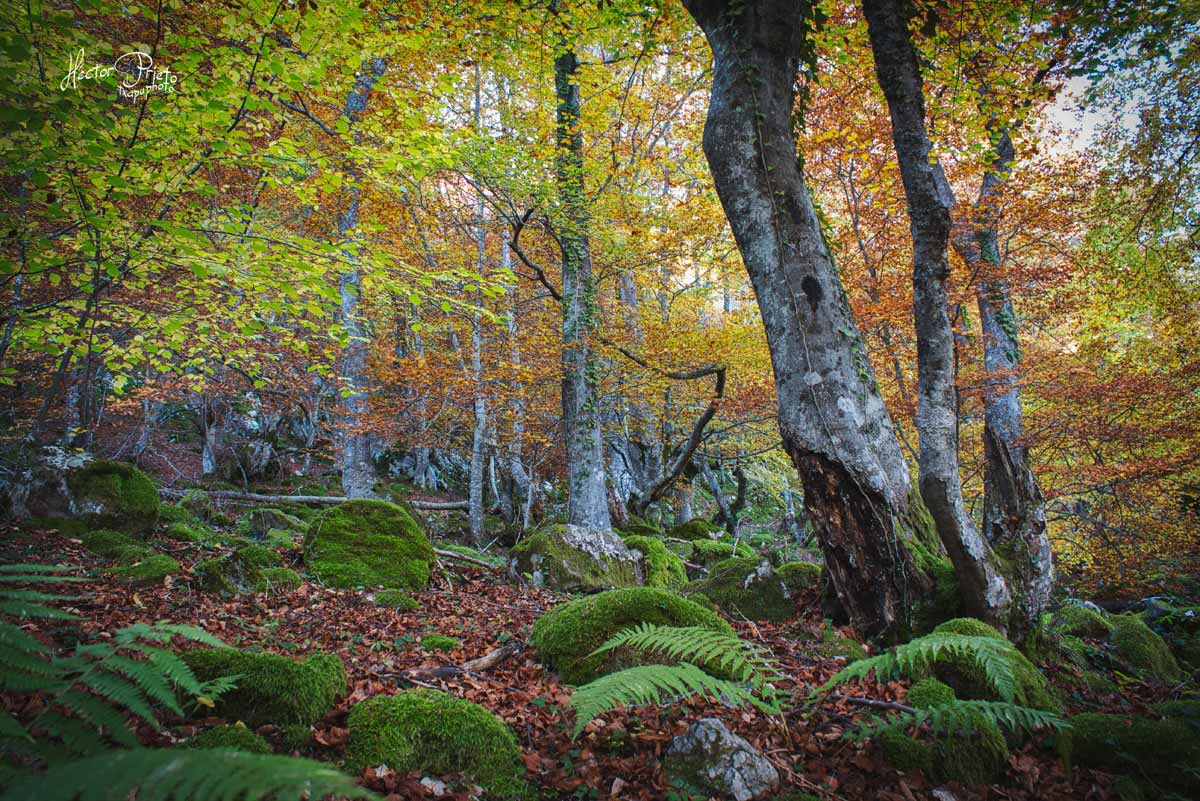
831	417
358	473
479	434
587	498
1014	513
982	586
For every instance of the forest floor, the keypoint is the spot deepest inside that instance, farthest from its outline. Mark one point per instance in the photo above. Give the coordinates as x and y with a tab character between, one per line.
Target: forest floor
617	756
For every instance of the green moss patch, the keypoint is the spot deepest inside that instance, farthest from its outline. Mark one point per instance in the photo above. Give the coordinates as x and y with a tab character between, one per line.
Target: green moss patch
368	544
1162	750
660	567
261	520
108	543
189	532
151	569
398	600
234	736
272	688
277	580
835	646
1077	620
199	504
695	530
571	559
709	552
115	495
436	734
566	635
1139	647
440	643
930	693
747	588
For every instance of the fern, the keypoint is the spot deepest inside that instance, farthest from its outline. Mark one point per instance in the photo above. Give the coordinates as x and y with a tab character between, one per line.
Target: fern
750	673
959	717
993	657
185	775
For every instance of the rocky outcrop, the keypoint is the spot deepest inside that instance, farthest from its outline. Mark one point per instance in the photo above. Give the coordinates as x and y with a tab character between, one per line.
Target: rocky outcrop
576	559
713	759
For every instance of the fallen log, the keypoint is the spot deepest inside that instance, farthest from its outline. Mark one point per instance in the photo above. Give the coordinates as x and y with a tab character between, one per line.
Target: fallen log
316	500
464	558
472	667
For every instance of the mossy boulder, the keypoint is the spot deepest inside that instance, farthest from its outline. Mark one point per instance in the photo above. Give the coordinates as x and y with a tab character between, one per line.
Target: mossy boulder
748	588
1166	751
436	734
199	504
1138	646
277	580
566	635
243	571
272	688
146	569
709	552
835	646
976	754
1079	620
575	559
115	495
108	544
368	544
659	567
639	528
696	529
261	520
183	531
217	576
398	600
967	678
169	513
234	736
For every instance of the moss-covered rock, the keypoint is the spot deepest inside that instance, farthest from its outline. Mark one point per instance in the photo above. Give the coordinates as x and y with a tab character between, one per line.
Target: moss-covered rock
637	528
659	567
436	734
1142	649
1163	750
169	513
799	576
189	532
566	635
368	544
115	495
234	736
696	529
277	580
243	571
747	588
398	600
198	503
967	677
272	688
262	519
574	559
929	693
835	646
440	643
295	736
149	569
683	550
108	543
709	552
976	755
216	576
1077	620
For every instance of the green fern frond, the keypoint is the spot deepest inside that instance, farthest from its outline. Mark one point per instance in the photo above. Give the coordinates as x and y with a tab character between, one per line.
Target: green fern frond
12	637
960	717
186	775
993	656
716	650
100	714
654	684
148	678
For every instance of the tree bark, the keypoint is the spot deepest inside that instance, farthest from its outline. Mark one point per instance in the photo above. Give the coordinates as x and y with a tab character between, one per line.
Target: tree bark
832	419
358	473
587	497
479	432
982	587
1014	513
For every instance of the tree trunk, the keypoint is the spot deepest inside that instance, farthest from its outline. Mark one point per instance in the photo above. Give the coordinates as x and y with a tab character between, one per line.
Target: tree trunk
479	433
832	419
358	473
982	587
587	498
1014	514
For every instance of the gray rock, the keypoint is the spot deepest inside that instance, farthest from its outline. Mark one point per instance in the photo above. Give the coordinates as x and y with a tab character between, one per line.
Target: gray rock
38	487
713	759
575	559
262	519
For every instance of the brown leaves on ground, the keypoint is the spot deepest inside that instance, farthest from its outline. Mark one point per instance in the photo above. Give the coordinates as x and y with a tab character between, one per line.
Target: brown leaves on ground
617	756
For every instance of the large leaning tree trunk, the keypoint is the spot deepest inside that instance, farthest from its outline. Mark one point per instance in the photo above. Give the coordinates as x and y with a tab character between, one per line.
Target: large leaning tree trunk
982	586
832	419
1014	514
358	473
587	497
